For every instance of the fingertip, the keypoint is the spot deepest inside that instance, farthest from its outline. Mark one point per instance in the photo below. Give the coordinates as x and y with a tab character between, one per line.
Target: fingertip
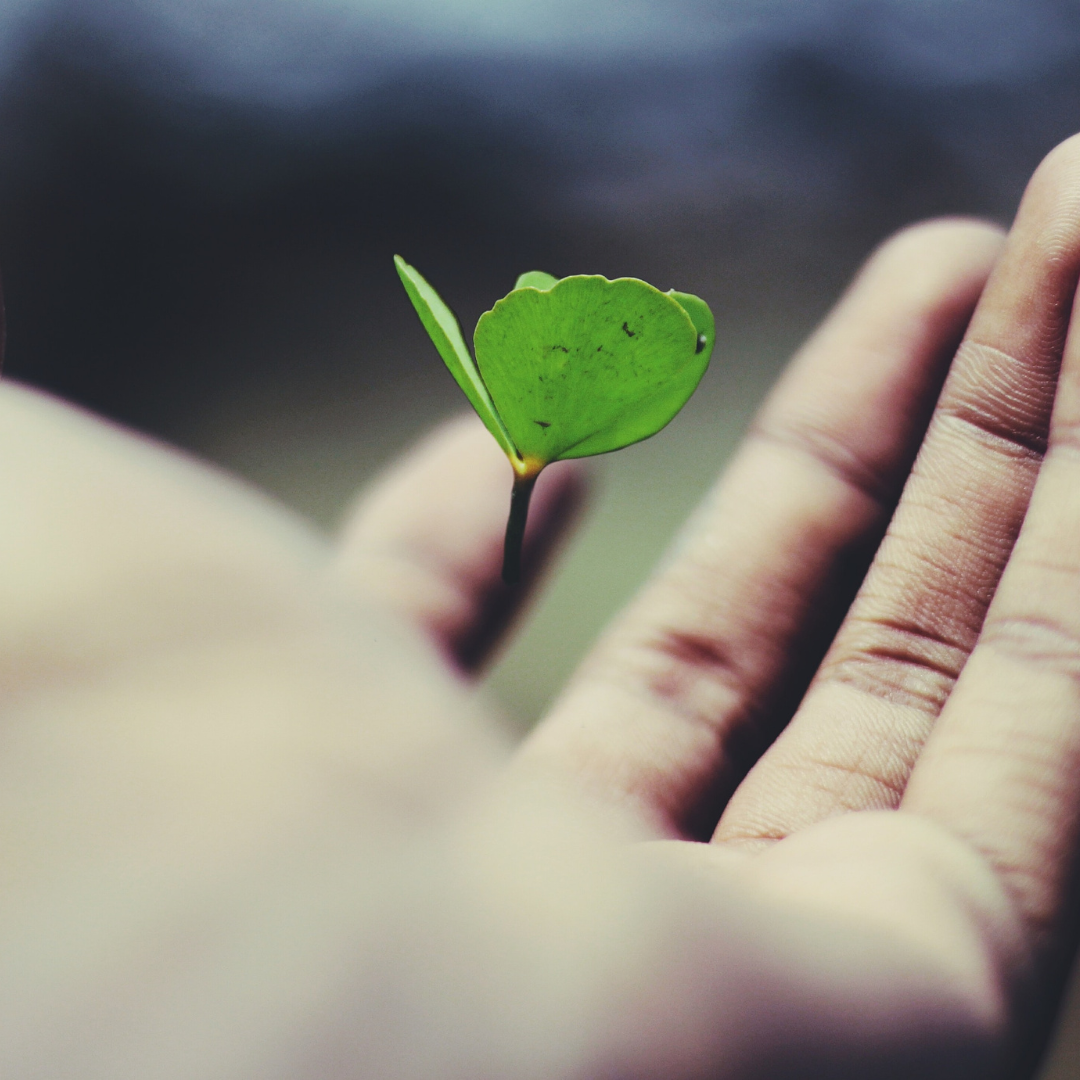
1059	169
938	259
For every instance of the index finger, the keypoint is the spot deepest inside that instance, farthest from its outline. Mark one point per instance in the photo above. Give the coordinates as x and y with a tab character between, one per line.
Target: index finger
1002	767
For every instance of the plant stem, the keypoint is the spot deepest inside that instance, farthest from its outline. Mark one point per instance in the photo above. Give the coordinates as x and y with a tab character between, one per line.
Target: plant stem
515	528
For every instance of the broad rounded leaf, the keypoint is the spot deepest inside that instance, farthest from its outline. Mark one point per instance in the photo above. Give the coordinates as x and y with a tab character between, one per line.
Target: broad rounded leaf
590	365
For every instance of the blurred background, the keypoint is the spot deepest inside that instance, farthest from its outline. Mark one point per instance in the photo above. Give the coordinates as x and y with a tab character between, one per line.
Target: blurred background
199	201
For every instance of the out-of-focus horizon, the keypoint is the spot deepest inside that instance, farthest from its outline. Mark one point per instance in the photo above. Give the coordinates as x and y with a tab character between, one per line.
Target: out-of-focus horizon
199	201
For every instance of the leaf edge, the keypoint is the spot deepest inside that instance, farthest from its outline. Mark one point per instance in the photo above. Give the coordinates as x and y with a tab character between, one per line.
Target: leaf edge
455	353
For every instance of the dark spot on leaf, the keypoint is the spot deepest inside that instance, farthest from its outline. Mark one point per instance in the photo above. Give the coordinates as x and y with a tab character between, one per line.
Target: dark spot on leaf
599	348
563	348
627	331
700	343
542	423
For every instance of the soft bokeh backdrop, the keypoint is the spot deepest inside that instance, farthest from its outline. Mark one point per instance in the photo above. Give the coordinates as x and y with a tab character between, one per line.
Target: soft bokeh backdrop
199	200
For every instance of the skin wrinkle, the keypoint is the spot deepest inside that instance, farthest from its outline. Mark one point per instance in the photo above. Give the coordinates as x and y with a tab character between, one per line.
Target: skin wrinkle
967	457
1065	437
889	667
897	564
853	789
910	665
1039	640
968	446
907	628
1021	747
1042	770
1034	896
666	677
950	516
977	452
1057	240
696	678
1050	567
716	712
934	616
671	659
983	373
894	755
933	606
719	715
904	681
991	435
866	767
956	602
652	790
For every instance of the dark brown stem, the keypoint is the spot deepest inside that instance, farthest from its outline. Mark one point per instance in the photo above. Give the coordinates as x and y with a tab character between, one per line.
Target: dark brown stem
515	528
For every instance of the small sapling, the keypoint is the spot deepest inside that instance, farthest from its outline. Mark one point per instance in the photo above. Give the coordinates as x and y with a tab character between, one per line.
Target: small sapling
569	368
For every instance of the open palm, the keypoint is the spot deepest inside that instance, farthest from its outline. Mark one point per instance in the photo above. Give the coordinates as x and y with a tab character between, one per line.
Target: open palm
841	728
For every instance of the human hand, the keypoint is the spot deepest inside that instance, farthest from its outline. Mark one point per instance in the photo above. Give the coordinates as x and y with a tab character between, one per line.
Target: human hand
926	782
255	827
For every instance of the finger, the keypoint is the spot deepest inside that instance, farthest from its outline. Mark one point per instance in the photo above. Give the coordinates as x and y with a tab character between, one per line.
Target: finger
855	738
1002	766
699	672
427	540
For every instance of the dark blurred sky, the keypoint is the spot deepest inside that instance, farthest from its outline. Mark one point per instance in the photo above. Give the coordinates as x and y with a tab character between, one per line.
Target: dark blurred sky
646	101
195	193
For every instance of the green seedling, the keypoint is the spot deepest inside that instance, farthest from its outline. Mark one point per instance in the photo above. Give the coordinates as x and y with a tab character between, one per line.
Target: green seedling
569	368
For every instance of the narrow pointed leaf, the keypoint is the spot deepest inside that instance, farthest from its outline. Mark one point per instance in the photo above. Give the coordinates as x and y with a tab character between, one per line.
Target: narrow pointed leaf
445	332
589	365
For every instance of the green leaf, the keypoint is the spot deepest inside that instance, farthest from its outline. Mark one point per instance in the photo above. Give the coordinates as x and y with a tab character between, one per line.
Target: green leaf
444	331
535	279
701	317
590	365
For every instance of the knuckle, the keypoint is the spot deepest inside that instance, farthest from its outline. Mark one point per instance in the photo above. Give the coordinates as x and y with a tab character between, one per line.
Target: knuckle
691	672
1060	166
993	395
905	664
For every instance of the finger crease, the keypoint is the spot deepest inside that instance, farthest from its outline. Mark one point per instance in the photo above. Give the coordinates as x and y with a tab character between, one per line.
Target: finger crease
895	788
1039	640
1012	440
912	666
695	674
